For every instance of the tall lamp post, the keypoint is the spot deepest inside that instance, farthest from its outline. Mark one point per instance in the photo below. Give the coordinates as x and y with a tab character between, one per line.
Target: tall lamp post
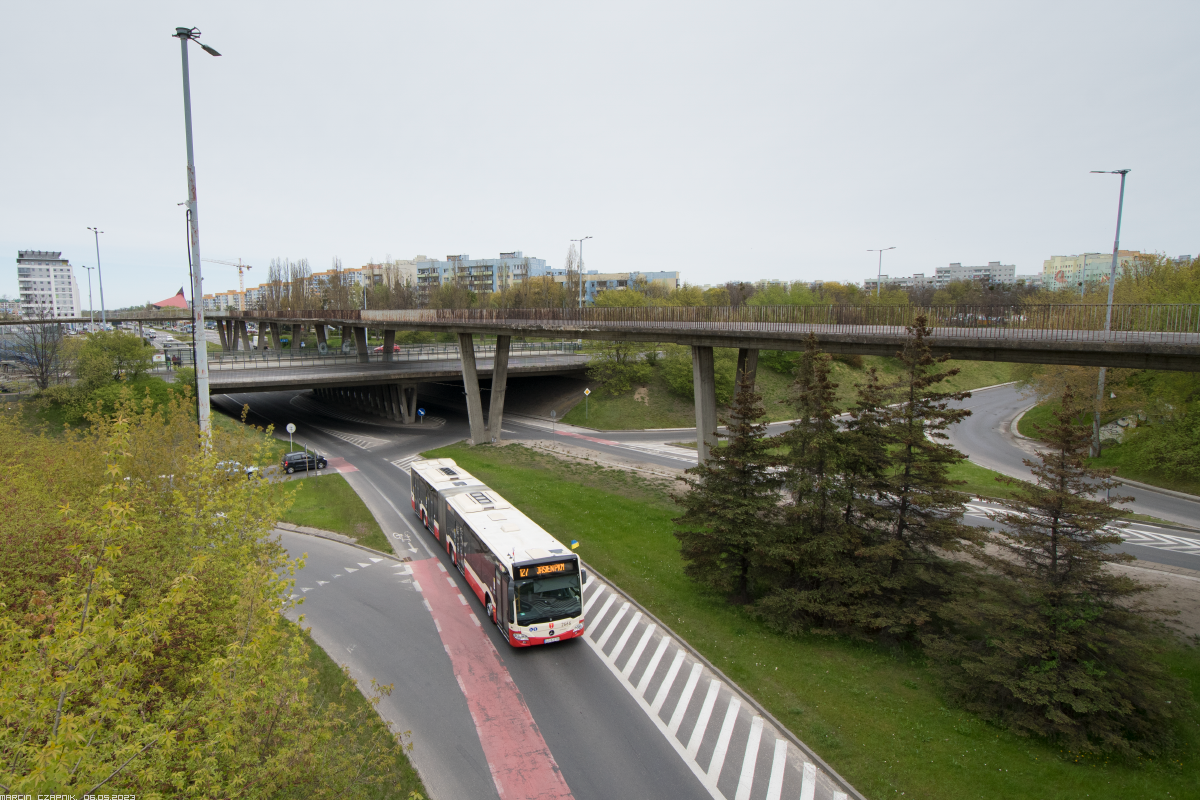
99	276
581	241
199	340
1112	285
91	313
879	276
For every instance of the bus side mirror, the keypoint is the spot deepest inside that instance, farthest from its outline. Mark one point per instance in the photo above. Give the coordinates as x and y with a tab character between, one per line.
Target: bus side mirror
584	573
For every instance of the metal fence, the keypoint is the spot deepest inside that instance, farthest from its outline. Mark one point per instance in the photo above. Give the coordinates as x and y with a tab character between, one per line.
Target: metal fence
1140	323
541	353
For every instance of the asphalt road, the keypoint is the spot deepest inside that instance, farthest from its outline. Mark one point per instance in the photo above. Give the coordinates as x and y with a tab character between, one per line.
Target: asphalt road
375	621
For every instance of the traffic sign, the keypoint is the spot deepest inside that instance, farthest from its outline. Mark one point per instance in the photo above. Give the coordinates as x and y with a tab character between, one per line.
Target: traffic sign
291	427
553	413
586	392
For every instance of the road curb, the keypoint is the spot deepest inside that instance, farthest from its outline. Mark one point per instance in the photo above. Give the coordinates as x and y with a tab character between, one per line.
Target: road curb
335	537
753	703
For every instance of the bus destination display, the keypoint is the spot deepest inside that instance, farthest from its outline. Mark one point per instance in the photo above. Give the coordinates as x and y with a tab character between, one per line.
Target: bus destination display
544	570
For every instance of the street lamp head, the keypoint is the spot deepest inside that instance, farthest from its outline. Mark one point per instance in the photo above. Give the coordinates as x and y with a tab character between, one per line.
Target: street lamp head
194	35
1111	171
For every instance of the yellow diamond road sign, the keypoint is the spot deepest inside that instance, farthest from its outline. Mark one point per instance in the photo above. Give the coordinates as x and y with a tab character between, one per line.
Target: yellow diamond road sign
586	392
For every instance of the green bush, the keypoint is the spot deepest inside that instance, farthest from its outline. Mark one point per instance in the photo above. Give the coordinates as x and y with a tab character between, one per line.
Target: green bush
1170	447
677	370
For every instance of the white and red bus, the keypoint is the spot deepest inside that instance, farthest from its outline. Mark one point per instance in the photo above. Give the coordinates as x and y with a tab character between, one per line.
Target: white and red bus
529	582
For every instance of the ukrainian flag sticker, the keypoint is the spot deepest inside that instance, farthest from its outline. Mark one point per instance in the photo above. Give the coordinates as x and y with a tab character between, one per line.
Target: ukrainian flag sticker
574	543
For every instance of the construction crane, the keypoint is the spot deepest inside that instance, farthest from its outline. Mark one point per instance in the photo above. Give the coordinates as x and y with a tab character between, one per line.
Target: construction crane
241	278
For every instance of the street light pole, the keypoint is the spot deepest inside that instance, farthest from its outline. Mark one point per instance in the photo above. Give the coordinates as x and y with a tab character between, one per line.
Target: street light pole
199	340
879	276
100	276
581	241
91	312
1112	285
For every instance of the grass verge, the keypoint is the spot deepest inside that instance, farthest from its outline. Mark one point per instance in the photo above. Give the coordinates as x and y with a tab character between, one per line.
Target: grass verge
329	503
653	405
1112	455
873	713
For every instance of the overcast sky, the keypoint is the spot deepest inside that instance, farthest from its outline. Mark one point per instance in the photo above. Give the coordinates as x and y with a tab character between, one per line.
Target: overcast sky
724	140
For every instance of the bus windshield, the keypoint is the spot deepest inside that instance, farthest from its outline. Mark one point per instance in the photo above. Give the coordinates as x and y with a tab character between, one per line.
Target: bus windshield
549	599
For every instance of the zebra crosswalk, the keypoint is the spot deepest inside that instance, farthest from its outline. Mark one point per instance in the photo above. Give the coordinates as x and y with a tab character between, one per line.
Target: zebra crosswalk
733	751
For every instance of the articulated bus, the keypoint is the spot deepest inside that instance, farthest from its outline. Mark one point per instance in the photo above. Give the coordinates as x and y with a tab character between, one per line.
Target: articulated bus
530	584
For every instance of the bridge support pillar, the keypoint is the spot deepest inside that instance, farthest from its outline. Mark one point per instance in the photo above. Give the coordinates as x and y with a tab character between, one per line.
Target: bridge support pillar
747	366
499	382
276	340
141	335
320	329
245	335
360	345
221	334
705	387
389	341
466	349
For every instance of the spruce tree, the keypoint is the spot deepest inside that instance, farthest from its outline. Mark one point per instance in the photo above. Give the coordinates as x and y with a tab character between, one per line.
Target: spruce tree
732	503
919	518
811	561
1054	645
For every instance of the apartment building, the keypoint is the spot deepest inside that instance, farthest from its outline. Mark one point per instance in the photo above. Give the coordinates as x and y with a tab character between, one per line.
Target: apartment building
46	282
1069	272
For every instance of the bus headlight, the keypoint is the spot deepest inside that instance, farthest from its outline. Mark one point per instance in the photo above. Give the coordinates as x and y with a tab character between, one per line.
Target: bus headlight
520	637
578	625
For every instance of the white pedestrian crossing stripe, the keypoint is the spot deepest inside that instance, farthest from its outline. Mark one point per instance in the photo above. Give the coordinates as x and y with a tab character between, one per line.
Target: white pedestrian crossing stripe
744	757
404	463
359	441
1144	534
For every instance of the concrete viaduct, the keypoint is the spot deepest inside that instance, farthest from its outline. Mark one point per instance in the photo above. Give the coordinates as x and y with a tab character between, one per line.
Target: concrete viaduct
1161	337
1137	337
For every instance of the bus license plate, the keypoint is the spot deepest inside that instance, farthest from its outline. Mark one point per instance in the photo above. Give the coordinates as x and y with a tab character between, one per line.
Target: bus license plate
552	639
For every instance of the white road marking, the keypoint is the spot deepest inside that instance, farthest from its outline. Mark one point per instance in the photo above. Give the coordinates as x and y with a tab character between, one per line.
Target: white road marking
350	569
450	581
667	683
462	600
722	749
637	617
808	784
595	595
404	463
706	710
376	560
775	785
364	566
653	665
612	598
612	626
306	588
322	583
746	781
684	699
361	442
417	586
637	651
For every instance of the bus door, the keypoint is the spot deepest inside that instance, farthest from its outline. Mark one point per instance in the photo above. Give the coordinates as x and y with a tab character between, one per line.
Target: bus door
458	546
503	605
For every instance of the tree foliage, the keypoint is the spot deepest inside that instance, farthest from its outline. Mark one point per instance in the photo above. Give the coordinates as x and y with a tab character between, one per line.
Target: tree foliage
142	627
732	500
618	365
1053	645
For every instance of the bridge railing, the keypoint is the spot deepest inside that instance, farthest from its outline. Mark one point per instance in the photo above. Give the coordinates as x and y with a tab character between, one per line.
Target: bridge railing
538	353
1063	322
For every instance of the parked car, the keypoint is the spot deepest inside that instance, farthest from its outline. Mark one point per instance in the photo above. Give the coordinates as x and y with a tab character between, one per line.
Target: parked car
395	348
233	468
306	461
